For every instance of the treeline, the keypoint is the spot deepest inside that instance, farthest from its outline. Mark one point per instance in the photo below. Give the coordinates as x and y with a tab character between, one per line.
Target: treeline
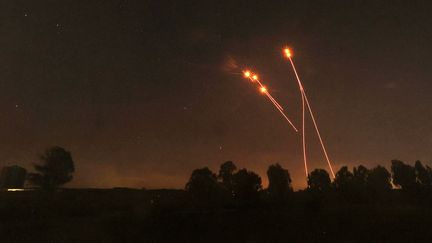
243	186
54	169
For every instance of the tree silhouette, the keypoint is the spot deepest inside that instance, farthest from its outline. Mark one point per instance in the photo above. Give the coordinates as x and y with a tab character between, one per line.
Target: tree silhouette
246	185
344	180
279	182
403	175
203	184
55	169
423	175
226	173
12	177
378	180
360	177
319	180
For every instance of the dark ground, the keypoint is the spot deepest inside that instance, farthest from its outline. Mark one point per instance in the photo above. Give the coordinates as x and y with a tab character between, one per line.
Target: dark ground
122	215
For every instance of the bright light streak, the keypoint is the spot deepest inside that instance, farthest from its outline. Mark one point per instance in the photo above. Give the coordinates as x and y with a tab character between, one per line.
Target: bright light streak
270	97
319	136
283	114
303	136
263	89
15	190
275	102
304	98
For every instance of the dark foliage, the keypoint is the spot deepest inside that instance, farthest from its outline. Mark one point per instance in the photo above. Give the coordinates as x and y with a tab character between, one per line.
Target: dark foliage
246	186
344	180
279	186
360	177
423	175
226	173
345	184
403	175
55	169
319	181
203	185
12	177
378	180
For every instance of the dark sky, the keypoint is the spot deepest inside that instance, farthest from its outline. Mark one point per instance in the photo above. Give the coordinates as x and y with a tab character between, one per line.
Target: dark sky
143	92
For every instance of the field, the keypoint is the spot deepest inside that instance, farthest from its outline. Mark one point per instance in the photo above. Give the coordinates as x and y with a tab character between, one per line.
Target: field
126	215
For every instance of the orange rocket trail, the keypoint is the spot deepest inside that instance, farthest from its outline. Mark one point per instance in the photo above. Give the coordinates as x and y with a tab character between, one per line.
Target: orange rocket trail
288	54
254	78
263	89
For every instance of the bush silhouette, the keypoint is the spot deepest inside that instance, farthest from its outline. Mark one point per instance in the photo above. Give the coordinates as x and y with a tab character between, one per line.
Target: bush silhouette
403	175
423	175
226	173
360	177
279	183
378	180
319	180
203	185
344	181
12	177
55	169
246	186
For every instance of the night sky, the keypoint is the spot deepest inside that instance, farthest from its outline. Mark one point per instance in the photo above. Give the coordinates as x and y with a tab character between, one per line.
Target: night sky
143	92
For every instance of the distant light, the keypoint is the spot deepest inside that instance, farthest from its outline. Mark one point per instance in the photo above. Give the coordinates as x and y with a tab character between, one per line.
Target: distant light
263	89
247	73
15	190
255	77
287	52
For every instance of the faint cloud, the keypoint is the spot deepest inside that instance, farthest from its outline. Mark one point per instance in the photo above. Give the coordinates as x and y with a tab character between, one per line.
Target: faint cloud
230	64
390	85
